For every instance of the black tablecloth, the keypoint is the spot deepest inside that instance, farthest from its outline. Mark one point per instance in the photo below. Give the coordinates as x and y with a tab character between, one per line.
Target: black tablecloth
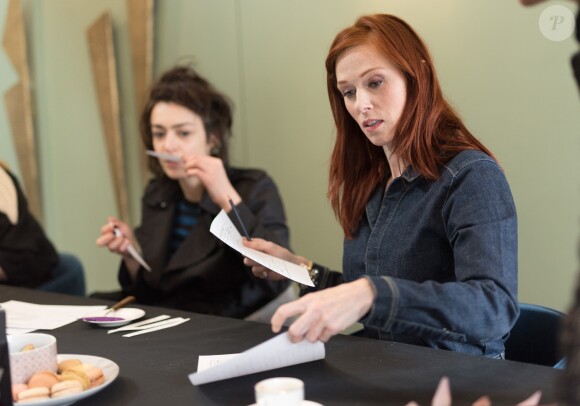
154	367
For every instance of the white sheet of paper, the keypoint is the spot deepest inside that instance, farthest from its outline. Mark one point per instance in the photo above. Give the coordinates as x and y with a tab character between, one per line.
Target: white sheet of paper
24	315
133	251
209	361
161	155
223	228
16	331
135	254
275	353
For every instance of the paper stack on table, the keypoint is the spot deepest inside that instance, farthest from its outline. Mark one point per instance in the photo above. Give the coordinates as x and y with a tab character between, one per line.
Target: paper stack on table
23	317
275	353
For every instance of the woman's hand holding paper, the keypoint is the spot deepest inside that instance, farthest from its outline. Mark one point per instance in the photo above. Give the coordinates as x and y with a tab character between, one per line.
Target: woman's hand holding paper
117	237
275	250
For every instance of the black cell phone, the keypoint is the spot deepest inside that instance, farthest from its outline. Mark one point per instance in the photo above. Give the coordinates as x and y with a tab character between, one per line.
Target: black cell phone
5	386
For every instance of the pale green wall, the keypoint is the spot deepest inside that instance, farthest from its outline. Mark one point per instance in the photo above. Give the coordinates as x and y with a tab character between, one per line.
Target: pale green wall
513	87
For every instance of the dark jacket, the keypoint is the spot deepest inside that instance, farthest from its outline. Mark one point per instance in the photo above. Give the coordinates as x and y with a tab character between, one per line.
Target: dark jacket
204	275
26	255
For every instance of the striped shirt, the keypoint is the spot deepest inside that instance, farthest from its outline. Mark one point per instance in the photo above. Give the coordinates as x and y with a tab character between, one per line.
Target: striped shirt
186	217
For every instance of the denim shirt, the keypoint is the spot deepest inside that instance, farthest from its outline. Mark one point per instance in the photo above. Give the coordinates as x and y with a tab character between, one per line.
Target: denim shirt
441	257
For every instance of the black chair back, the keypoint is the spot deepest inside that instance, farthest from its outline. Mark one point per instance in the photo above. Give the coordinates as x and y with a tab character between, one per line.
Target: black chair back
535	337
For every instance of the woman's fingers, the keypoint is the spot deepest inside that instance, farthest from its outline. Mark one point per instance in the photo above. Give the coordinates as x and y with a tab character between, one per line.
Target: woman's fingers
310	324
116	242
212	173
273	249
107	229
262	272
249	262
326	335
285	312
104	239
325	313
259	244
106	233
315	330
258	270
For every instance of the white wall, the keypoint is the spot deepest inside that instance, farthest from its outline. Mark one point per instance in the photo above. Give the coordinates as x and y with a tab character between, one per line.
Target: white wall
513	87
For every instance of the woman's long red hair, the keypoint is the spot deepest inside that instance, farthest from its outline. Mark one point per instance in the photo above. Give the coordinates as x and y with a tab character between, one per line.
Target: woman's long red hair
429	132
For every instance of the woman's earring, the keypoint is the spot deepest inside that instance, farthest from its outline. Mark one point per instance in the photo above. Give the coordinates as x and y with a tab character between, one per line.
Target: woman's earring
215	151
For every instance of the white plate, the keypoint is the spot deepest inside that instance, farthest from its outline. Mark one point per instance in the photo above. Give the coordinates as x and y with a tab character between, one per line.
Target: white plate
110	370
128	314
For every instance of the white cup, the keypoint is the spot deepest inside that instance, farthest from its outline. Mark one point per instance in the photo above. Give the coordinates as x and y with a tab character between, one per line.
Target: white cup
279	392
23	364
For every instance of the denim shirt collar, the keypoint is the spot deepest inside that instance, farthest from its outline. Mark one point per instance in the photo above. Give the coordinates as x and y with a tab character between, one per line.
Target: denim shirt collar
374	205
410	174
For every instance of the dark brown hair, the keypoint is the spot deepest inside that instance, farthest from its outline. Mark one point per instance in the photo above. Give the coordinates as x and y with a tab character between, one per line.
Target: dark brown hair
184	86
429	132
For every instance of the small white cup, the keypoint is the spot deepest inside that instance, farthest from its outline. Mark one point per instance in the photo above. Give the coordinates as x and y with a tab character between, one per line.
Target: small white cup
279	392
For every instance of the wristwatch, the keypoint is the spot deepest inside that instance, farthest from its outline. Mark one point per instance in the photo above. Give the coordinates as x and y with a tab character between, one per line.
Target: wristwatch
313	273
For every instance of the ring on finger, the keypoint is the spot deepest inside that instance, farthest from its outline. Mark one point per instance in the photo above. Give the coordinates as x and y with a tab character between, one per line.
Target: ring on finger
264	275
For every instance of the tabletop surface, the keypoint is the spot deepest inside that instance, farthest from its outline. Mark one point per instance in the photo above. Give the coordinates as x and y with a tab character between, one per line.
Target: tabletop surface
154	367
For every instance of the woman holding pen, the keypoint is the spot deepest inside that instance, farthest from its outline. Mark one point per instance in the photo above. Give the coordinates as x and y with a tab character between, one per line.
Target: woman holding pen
186	124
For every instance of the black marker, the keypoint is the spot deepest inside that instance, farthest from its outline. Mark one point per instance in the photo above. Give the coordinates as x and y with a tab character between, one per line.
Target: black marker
240	220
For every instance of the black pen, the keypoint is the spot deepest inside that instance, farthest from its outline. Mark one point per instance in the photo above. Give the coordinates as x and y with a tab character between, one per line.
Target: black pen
240	219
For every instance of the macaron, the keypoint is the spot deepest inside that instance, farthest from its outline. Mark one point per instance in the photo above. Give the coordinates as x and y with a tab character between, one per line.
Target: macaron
44	379
73	375
27	347
65	388
17	388
33	395
96	377
67	364
93	373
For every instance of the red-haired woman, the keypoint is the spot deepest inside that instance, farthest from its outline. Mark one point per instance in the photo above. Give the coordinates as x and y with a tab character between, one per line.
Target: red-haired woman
430	251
